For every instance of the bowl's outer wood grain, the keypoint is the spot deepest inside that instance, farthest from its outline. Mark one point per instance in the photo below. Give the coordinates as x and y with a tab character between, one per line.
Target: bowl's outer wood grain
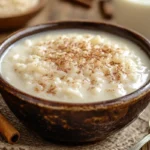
66	125
79	122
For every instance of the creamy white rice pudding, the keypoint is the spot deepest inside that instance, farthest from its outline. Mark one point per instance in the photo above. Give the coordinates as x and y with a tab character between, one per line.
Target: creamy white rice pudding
73	66
10	8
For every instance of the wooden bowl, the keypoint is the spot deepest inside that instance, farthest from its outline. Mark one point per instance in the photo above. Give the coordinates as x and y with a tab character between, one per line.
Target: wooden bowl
20	20
75	122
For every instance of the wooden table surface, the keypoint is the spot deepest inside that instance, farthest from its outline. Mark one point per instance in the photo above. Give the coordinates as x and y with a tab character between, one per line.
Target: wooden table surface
63	10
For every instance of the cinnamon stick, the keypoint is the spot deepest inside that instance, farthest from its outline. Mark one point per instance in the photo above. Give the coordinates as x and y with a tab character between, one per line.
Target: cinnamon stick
106	8
8	131
86	3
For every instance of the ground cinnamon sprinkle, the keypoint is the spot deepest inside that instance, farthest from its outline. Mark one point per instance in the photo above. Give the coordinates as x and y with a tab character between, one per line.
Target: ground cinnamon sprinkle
65	64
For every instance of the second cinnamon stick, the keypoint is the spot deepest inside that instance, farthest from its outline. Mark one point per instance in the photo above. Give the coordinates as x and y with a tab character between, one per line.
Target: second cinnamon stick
8	131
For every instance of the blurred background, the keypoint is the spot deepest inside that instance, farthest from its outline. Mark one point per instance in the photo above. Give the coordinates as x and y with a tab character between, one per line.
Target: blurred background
49	10
15	14
52	10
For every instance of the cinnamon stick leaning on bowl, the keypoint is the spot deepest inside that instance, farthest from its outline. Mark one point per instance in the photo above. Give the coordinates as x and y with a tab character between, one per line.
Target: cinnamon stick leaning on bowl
8	131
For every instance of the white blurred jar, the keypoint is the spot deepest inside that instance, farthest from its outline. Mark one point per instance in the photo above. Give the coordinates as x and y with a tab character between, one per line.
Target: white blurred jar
133	14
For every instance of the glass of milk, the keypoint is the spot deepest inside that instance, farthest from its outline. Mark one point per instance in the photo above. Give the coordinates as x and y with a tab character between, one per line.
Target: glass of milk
133	14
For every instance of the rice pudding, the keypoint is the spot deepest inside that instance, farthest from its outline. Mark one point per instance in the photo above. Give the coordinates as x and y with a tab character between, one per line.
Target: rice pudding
73	66
9	8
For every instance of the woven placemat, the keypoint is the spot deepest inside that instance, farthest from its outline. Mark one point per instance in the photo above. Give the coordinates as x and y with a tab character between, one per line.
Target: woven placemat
119	141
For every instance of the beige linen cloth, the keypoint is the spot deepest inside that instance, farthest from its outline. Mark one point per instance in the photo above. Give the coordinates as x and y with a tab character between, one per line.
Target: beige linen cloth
119	141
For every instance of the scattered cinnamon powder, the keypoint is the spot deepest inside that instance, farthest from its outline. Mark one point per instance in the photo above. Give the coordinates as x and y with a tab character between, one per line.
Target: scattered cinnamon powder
77	61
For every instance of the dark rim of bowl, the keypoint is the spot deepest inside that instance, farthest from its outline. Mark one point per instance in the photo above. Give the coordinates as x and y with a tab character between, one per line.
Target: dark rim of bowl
106	27
33	9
